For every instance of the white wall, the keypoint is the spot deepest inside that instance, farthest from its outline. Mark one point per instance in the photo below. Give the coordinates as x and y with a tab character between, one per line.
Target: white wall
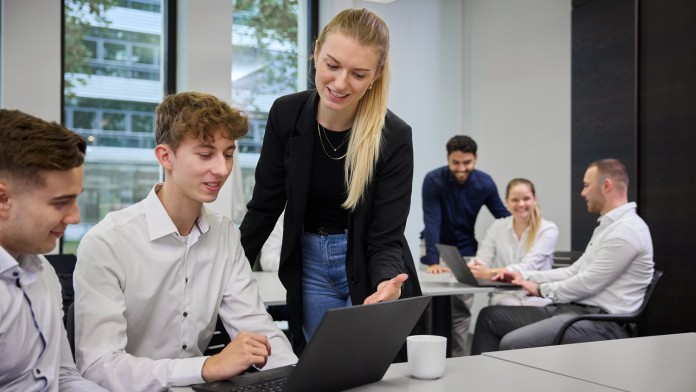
497	70
517	69
31	57
204	64
30	72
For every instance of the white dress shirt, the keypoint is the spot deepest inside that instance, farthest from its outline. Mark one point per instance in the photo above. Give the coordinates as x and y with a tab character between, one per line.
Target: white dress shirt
35	354
146	299
501	248
614	271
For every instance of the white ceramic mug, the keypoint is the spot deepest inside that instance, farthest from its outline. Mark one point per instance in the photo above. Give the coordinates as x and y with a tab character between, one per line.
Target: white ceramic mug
426	356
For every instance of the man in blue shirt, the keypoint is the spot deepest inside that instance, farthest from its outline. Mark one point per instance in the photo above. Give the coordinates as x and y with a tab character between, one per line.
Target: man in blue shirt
452	198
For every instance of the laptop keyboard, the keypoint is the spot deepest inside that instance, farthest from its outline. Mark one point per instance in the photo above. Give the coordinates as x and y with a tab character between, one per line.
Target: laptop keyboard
276	385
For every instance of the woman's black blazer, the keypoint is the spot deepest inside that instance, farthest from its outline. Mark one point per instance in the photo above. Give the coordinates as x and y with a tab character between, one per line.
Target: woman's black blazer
377	247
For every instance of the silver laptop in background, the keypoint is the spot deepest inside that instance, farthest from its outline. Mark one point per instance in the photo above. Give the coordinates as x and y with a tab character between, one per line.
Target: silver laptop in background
353	346
461	271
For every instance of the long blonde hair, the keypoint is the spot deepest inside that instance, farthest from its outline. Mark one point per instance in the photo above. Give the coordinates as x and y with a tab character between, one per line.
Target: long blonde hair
365	140
535	218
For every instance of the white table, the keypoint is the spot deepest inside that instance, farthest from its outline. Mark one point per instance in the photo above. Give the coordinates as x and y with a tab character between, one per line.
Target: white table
273	293
478	373
434	285
271	290
654	363
438	286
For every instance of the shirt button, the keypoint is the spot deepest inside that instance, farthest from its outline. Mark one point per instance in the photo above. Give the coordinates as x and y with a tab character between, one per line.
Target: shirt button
186	280
184	347
354	281
185	314
15	274
38	371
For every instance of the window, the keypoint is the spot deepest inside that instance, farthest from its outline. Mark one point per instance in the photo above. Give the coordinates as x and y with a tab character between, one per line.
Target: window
113	83
269	59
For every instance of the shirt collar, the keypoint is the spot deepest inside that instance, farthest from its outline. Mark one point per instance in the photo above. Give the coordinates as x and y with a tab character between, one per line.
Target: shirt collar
159	224
26	262
616	213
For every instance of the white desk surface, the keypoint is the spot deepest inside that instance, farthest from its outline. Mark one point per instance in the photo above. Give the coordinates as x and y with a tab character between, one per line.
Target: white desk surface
477	373
654	363
271	290
273	293
434	285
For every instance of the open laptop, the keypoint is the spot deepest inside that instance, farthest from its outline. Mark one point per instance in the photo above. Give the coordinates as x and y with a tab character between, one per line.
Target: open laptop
352	346
461	271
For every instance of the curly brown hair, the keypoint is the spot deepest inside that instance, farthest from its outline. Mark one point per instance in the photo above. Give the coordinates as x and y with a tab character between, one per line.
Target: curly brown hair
197	115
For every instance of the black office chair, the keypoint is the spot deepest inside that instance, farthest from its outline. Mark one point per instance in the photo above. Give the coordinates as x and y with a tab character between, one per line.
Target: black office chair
633	320
219	340
565	258
70	328
64	265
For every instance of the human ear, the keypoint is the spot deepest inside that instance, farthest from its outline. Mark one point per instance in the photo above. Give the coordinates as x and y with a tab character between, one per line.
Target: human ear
5	199
163	154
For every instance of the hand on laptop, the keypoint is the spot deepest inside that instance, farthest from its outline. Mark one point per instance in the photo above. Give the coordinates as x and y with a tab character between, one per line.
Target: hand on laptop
437	269
387	290
531	287
507	276
480	270
245	350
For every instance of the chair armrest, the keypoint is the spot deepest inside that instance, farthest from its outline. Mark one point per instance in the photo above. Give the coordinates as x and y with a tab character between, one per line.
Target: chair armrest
619	318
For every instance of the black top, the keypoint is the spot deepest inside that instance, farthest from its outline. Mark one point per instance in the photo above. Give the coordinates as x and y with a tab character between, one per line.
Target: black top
327	189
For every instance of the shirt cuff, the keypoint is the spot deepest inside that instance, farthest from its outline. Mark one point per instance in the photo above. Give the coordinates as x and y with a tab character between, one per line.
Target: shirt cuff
188	371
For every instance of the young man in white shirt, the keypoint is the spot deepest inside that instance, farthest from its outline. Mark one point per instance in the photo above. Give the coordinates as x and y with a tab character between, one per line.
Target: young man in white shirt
610	277
41	176
151	279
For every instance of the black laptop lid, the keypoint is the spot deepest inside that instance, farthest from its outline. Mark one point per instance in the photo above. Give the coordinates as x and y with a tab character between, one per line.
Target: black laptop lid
355	346
462	272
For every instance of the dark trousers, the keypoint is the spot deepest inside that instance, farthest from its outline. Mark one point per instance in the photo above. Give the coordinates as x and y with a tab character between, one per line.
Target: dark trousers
513	327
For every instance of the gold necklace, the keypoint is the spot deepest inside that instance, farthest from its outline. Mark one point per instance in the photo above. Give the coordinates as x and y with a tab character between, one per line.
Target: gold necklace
345	139
324	148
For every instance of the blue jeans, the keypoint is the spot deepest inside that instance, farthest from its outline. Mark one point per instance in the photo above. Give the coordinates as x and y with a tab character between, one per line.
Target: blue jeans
324	280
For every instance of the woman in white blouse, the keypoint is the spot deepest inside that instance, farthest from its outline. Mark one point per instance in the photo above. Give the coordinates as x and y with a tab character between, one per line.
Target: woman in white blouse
521	242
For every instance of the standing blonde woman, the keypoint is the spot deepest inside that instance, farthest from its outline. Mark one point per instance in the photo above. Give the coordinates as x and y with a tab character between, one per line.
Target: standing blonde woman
341	164
523	241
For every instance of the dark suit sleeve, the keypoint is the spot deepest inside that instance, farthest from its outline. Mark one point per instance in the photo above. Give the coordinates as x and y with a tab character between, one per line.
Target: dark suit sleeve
391	204
268	199
432	217
494	204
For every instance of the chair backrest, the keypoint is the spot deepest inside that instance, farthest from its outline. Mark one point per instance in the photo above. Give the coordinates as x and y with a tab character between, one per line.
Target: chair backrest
657	274
562	258
70	328
633	320
64	265
219	340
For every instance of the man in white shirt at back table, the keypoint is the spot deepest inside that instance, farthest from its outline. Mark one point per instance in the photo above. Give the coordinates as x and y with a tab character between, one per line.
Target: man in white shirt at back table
41	173
610	277
151	279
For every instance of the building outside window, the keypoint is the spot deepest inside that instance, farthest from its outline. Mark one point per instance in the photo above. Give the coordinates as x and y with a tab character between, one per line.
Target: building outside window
268	61
114	81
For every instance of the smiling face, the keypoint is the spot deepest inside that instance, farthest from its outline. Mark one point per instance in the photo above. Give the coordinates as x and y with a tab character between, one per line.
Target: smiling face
198	168
461	164
521	201
33	217
345	70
